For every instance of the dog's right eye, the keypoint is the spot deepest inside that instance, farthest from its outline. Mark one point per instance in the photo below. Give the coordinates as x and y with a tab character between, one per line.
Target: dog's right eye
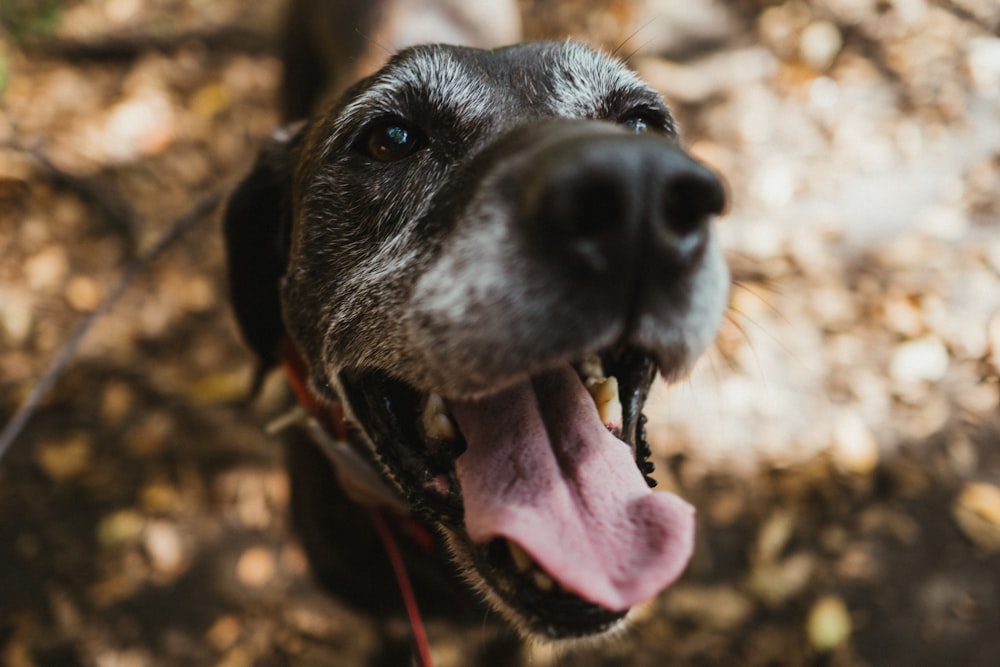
637	124
391	141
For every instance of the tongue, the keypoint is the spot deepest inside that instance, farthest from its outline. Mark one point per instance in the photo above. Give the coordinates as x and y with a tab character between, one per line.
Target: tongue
542	470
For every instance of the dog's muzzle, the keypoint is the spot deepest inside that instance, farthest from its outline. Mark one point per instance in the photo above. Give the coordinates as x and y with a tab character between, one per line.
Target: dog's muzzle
571	236
574	260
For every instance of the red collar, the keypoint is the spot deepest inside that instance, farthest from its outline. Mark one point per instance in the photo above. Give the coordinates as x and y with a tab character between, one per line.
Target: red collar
329	415
325	421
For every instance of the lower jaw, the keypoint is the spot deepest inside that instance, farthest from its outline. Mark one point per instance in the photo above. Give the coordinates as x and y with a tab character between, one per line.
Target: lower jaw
559	616
554	615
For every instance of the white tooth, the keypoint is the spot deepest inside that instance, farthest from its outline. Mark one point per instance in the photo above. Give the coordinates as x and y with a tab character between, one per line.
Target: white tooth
611	413
435	403
522	561
542	580
442	428
604	390
591	369
609	406
437	424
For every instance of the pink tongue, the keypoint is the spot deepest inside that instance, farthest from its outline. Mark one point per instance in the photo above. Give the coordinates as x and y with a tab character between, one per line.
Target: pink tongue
542	470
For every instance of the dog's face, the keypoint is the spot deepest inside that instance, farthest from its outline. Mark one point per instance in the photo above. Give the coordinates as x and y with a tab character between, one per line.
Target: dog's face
487	256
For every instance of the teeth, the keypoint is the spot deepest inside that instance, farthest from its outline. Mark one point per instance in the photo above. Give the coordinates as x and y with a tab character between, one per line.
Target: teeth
435	404
604	391
436	421
591	369
440	427
522	561
609	406
543	581
525	564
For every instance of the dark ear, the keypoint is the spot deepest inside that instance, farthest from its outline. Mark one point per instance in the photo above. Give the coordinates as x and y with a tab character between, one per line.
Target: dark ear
257	228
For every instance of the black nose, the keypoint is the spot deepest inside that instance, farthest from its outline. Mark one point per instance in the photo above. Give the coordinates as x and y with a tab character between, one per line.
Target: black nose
607	201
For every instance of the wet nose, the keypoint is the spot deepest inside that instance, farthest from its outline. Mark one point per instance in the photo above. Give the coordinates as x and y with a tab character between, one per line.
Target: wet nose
604	202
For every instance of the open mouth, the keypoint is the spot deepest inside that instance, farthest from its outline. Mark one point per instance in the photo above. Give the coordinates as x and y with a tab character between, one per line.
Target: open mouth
543	486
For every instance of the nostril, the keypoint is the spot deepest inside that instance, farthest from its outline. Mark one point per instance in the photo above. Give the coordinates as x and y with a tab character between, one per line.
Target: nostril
688	200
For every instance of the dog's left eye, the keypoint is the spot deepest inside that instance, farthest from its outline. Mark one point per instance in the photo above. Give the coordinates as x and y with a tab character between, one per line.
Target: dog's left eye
391	141
637	124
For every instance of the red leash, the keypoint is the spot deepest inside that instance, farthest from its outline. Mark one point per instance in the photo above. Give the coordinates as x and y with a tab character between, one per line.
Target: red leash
331	417
405	588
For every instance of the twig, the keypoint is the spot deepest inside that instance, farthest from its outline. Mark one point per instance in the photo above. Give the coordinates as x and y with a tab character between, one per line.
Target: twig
196	213
130	46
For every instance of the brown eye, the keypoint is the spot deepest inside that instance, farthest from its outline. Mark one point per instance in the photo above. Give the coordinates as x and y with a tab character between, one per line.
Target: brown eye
391	141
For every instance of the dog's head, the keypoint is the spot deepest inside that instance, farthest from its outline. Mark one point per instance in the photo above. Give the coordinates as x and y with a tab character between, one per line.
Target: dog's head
487	255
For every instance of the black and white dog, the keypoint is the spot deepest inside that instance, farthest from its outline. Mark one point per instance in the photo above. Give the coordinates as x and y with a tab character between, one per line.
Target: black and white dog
472	264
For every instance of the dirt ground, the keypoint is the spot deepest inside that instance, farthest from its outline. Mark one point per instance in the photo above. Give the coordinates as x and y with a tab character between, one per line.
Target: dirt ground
841	441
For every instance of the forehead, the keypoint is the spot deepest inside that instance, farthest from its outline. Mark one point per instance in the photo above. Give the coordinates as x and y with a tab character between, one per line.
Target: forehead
547	78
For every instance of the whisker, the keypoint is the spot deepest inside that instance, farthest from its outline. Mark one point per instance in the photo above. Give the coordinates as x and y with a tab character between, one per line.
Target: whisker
630	37
637	49
784	348
771	307
730	317
746	337
371	40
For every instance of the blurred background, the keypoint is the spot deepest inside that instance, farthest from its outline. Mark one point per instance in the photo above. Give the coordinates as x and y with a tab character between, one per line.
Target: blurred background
841	441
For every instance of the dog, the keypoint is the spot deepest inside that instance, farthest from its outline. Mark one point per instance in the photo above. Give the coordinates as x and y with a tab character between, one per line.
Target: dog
471	264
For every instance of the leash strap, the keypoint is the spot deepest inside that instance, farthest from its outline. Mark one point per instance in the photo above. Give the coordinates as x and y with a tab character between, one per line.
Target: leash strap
405	587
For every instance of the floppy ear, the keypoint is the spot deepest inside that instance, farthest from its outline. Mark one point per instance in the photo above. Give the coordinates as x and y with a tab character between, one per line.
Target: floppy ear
256	225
